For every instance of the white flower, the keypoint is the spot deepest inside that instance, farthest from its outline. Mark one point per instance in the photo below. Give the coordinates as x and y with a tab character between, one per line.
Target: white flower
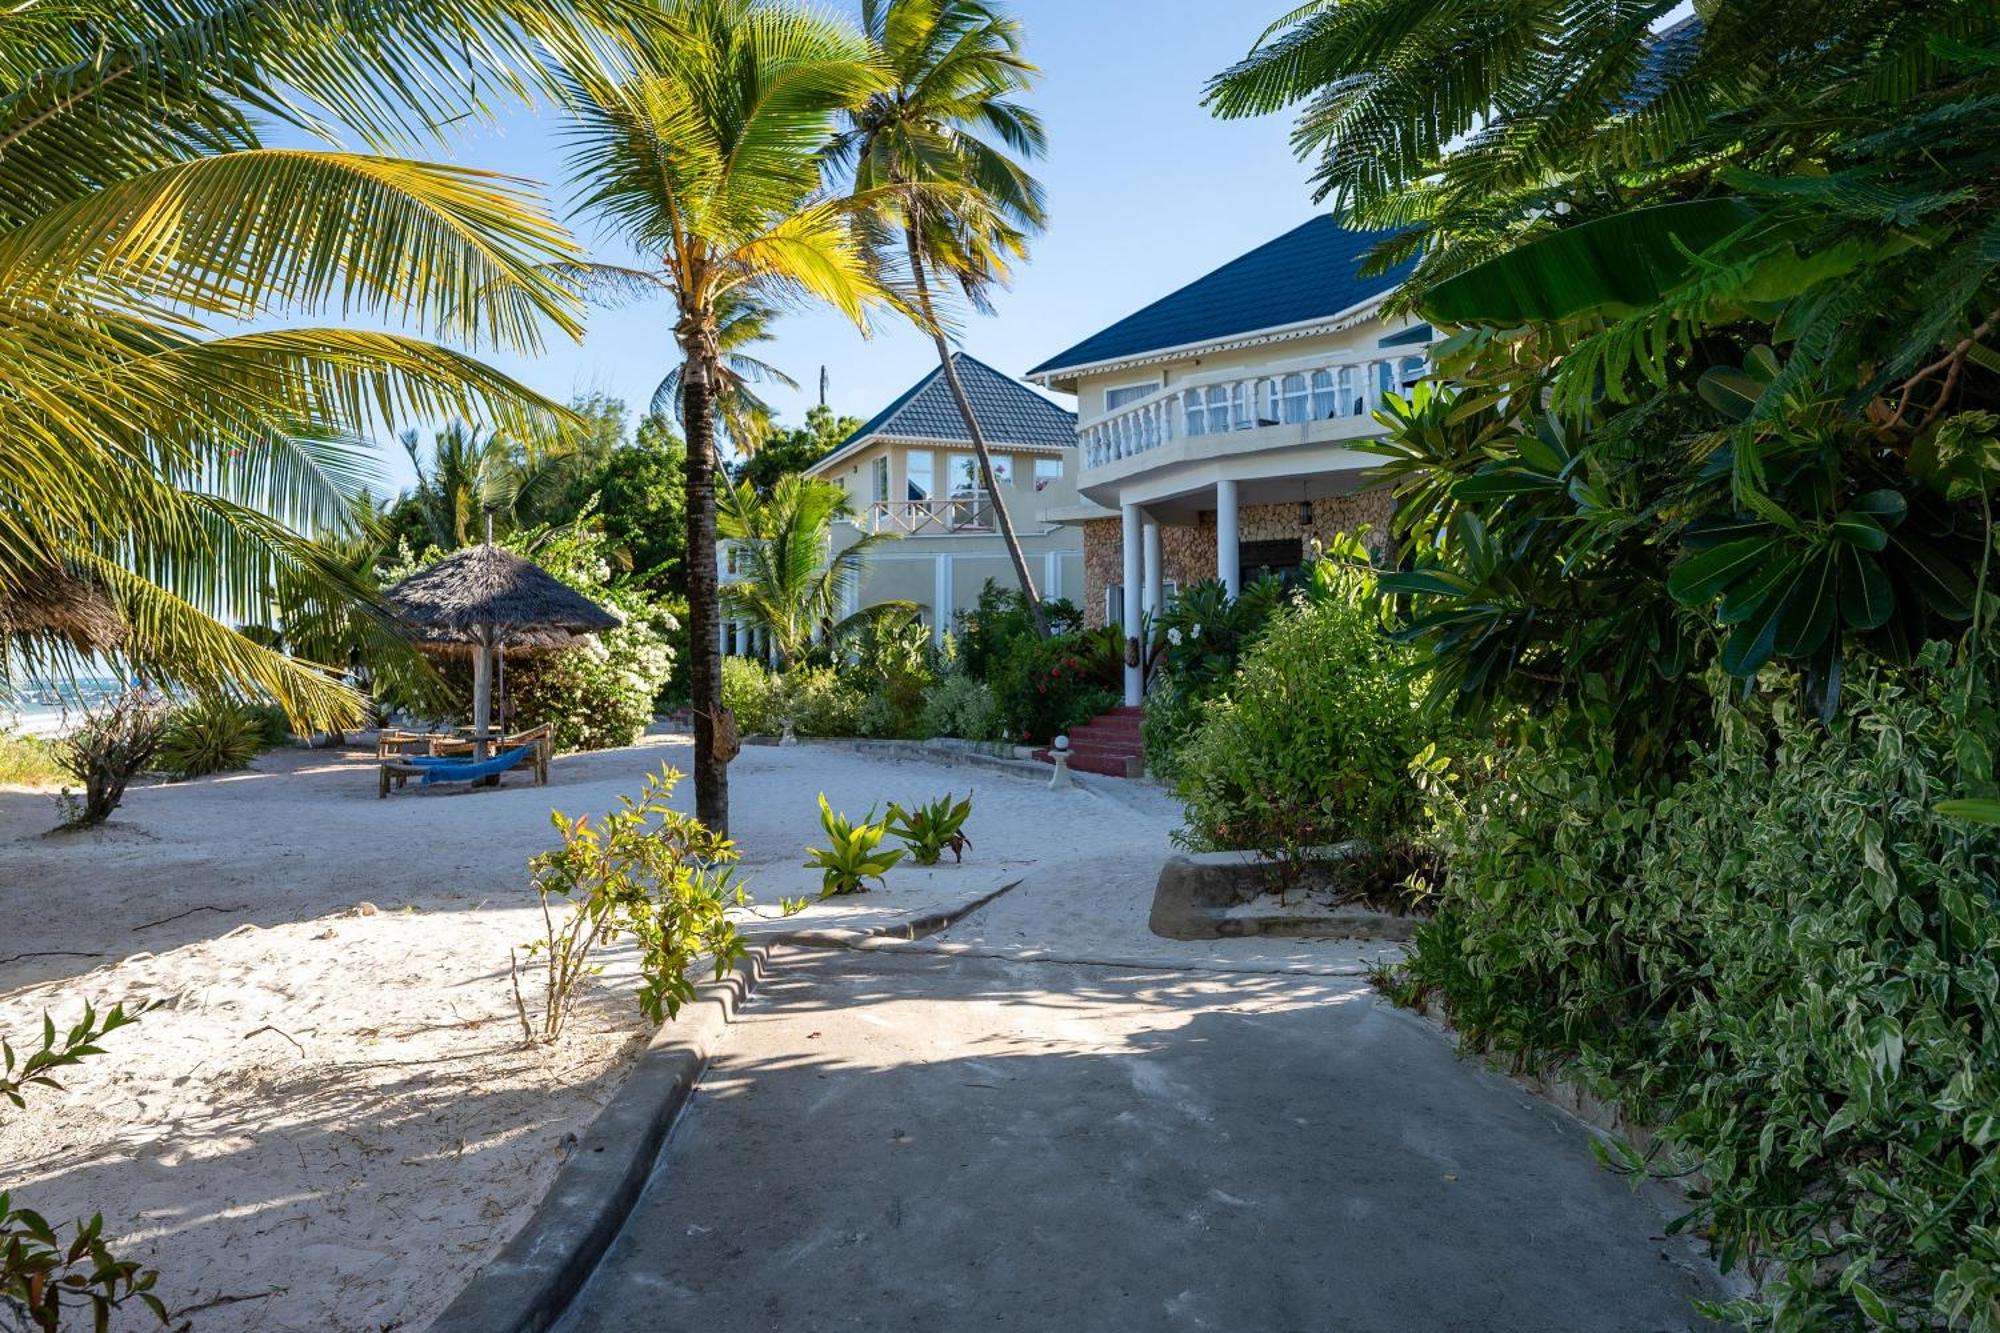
1174	635
1197	631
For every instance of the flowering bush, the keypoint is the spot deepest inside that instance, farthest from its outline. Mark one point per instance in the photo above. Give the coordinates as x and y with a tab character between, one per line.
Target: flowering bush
963	707
1046	686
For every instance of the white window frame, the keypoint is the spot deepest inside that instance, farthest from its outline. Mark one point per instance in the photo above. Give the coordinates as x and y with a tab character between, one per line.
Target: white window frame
880	475
929	471
1042	483
1145	388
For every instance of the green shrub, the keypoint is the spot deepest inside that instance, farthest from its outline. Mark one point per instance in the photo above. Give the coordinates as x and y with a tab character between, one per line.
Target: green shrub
855	855
748	691
962	707
1046	686
208	735
29	761
893	663
269	722
1783	959
929	831
644	871
1313	742
818	701
1197	644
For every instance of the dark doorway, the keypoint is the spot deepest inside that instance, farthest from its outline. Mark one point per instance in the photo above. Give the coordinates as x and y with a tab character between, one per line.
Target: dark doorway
1279	558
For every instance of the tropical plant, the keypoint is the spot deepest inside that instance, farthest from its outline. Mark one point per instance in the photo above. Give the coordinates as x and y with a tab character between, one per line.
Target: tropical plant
207	735
950	203
706	157
748	691
41	1272
1774	955
795	450
790	579
159	474
987	632
744	419
113	744
1046	686
962	707
892	660
1198	641
929	830
817	701
644	872
1312	742
856	855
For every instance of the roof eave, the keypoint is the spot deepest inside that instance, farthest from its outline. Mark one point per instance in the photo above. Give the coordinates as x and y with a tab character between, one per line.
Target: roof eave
1064	379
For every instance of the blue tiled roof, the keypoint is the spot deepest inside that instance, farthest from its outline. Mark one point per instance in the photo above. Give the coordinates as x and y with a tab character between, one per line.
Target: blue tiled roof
1306	274
1009	412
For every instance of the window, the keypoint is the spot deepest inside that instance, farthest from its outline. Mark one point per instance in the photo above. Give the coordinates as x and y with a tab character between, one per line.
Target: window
1003	469
1297	406
1239	407
1127	393
1192	415
1351	390
1385	379
1326	403
1410	371
921	481
965	474
1218	410
1048	471
882	479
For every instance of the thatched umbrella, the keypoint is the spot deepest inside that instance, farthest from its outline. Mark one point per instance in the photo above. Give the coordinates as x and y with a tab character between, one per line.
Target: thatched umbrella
484	598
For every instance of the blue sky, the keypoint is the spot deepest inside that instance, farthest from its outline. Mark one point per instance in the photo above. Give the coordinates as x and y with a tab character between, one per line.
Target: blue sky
1146	191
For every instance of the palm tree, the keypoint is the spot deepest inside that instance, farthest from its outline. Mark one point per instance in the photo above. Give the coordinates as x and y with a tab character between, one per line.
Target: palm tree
707	159
746	419
960	207
791	583
169	475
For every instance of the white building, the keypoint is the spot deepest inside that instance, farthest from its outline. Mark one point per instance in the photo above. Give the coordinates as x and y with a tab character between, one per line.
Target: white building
1215	427
911	471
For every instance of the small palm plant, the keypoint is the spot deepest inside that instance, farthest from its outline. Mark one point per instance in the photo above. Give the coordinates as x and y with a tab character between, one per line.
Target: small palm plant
854	859
928	831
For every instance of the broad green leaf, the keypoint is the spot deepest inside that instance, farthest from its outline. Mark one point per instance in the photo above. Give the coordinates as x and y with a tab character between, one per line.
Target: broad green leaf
1611	265
1975	809
1810	608
1729	391
1861	530
1944	585
1697	579
1867	598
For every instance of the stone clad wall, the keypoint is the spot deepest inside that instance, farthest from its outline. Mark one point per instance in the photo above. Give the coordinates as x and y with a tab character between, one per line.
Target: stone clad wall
1188	553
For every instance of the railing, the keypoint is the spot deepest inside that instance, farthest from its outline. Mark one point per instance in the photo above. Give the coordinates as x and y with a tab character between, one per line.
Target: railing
1226	402
928	518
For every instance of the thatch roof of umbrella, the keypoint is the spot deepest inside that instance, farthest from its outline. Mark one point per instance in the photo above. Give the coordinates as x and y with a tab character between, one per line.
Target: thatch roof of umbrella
479	586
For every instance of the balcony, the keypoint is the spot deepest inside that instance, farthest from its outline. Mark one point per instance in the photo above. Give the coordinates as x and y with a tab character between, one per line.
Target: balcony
1225	404
969	515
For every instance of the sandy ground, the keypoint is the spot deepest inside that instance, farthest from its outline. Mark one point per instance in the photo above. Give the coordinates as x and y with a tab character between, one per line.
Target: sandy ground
331	1120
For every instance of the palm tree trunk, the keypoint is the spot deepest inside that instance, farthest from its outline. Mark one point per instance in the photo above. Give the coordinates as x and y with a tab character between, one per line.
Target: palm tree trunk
1002	519
711	771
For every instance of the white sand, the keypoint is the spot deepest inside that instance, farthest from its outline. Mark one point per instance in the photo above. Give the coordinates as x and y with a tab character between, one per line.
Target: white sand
332	1119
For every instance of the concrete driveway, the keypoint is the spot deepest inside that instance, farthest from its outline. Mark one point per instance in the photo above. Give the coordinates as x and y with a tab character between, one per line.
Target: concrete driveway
913	1140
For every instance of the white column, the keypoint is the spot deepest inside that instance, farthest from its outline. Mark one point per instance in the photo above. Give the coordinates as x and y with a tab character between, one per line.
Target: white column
1052	576
1156	588
941	598
1132	522
1228	557
743	638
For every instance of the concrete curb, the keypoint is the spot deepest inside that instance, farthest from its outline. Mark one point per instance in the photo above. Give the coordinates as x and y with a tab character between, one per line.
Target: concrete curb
530	1283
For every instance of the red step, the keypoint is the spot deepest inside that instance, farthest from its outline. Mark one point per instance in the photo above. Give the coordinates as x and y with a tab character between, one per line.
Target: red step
1107	744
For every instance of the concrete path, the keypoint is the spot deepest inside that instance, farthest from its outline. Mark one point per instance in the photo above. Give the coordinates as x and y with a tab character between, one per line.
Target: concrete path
908	1139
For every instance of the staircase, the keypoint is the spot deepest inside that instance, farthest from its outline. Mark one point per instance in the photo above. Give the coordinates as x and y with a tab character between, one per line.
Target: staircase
1109	744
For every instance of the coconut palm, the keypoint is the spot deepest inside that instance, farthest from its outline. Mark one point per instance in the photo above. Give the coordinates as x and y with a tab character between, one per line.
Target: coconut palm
165	473
707	160
793	583
954	203
746	419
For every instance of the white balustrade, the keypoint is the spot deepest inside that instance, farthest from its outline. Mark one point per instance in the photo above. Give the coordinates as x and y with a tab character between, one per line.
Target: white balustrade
928	518
1226	402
